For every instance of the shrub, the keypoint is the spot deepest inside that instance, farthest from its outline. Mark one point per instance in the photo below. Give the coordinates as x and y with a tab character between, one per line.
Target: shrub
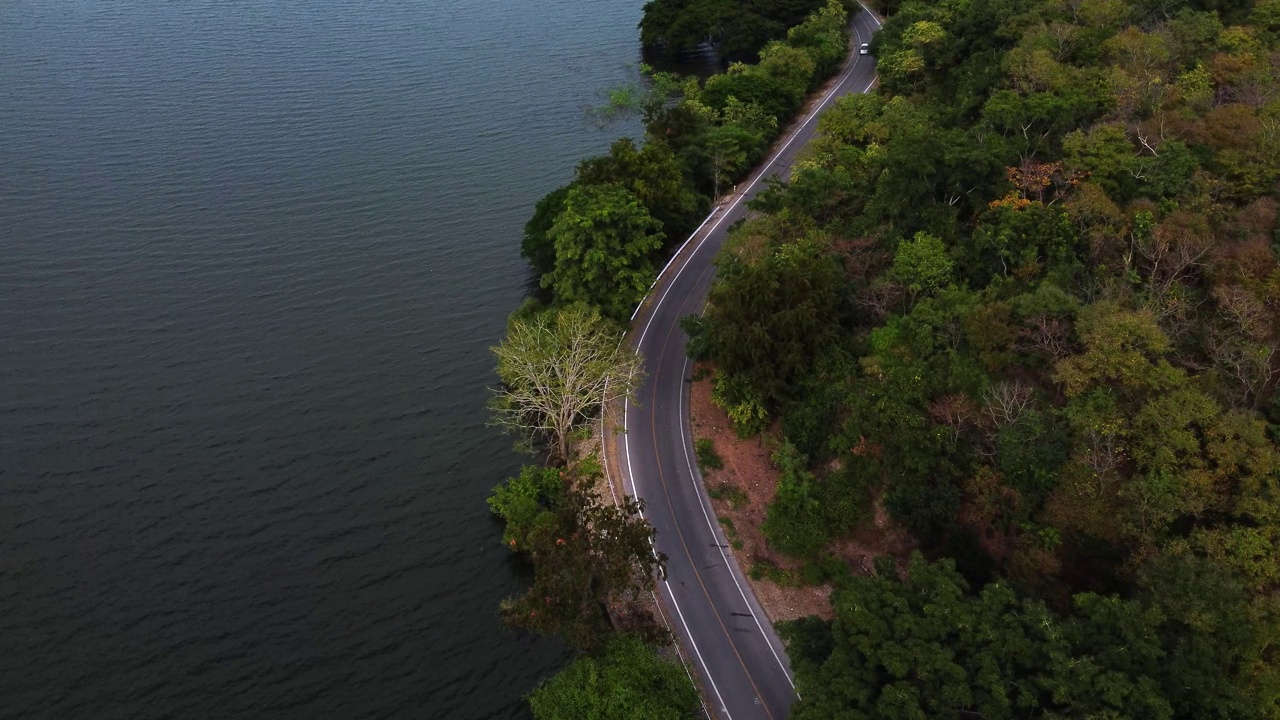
729	493
628	681
743	403
705	449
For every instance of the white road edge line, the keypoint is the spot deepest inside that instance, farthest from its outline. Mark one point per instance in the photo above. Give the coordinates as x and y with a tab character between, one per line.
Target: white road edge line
728	210
723	708
683	663
688	633
658	605
626	405
695	477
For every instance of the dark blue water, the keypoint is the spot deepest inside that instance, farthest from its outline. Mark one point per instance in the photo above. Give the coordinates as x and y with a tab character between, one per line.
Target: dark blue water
252	257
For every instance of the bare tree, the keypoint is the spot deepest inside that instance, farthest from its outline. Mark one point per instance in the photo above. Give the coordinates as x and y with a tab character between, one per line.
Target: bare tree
1169	256
557	370
1103	452
1003	404
862	257
1174	309
1250	365
1172	252
1066	38
1049	334
881	298
953	412
1242	309
1243	349
1006	401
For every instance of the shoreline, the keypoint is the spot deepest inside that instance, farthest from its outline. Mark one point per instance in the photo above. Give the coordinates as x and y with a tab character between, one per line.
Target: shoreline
777	161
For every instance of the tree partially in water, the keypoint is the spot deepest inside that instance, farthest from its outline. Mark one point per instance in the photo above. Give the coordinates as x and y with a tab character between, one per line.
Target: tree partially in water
627	682
604	242
737	29
590	557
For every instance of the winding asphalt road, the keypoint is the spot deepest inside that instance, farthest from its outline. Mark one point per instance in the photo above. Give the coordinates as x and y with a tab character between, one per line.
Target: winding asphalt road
725	634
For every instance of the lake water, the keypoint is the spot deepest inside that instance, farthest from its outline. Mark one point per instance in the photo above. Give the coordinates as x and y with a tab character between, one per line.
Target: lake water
252	257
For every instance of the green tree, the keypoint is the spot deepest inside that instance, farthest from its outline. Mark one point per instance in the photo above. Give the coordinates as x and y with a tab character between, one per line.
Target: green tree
1217	642
605	241
1195	34
792	65
651	173
1266	18
794	522
1190	645
749	117
737	29
628	681
727	147
921	265
525	501
922	647
768	316
824	35
1124	349
537	246
587	556
1105	153
750	84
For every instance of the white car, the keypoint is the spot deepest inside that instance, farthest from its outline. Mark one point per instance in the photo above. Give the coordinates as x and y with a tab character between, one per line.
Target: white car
863	49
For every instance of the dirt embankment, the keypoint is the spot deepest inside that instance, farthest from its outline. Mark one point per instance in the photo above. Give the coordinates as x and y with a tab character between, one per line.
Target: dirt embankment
741	491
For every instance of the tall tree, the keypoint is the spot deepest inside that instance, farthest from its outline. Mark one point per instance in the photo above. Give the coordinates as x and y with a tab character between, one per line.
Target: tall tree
537	246
921	265
922	647
651	173
629	681
1191	645
770	312
727	147
738	29
589	556
557	369
605	240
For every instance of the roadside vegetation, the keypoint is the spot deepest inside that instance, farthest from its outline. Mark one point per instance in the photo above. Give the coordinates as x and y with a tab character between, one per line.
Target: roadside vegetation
626	682
1027	295
737	30
601	239
708	460
558	368
595	246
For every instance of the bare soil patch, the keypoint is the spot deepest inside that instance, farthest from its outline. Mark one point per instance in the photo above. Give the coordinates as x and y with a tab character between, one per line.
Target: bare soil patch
746	484
749	470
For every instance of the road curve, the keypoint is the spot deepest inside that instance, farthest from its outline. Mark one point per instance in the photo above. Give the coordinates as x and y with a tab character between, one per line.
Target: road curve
725	634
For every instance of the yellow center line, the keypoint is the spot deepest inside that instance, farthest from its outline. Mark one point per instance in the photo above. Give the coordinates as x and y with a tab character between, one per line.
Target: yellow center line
683	544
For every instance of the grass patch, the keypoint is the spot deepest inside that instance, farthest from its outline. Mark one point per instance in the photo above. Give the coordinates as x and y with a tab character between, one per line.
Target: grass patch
765	570
582	433
731	532
729	493
705	449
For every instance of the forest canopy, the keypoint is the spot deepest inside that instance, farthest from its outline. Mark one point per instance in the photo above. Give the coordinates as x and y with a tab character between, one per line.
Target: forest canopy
594	247
600	239
1026	297
737	28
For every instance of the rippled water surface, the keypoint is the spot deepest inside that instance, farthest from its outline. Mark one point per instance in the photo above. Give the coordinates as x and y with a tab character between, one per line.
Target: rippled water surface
252	255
